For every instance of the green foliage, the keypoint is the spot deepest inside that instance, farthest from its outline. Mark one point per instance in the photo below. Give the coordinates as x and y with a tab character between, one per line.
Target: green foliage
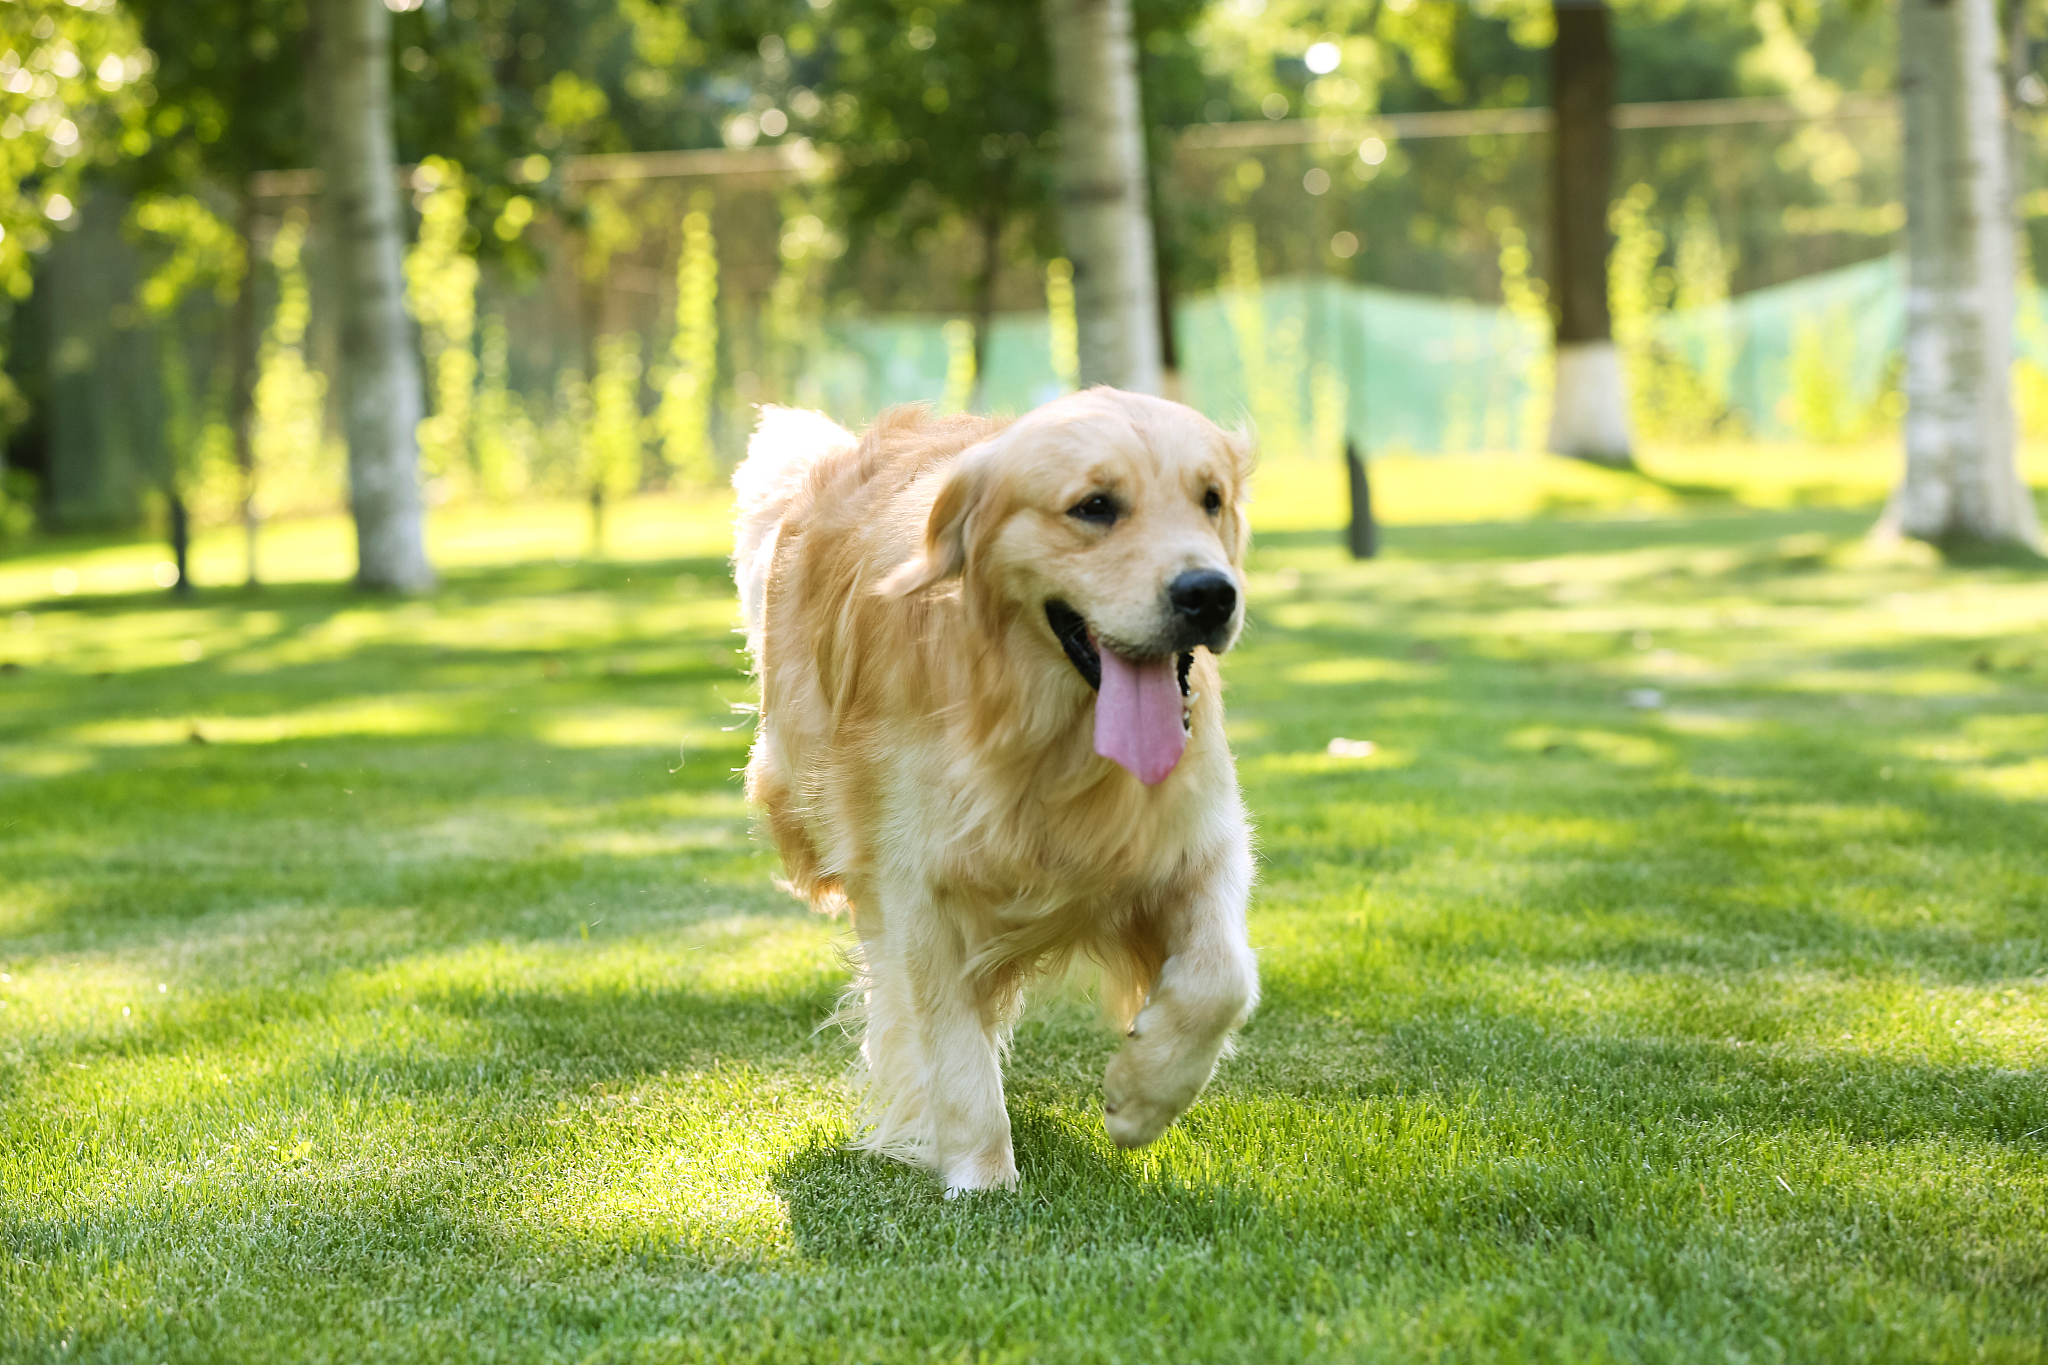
1064	326
487	82
17	506
613	450
301	463
940	119
793	314
958	335
229	93
565	440
1528	301
197	250
2029	373
1422	212
75	89
441	278
944	110
74	92
1272	383
1673	394
1391	56
505	441
684	415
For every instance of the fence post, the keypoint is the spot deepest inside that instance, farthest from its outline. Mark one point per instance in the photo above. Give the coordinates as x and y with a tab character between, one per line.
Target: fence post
1364	533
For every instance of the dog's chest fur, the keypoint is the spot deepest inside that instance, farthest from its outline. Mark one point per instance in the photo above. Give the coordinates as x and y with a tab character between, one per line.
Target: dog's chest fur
1054	827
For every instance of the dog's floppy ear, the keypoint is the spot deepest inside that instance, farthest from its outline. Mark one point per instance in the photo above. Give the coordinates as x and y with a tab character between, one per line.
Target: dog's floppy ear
946	531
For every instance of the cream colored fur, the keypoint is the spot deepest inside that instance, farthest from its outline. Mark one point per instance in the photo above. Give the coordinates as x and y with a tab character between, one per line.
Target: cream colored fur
925	749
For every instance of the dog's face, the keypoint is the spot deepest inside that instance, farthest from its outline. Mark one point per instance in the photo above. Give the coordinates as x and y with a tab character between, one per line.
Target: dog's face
1116	520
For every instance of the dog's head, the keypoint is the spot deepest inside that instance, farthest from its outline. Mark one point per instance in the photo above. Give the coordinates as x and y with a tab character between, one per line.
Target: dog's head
1115	522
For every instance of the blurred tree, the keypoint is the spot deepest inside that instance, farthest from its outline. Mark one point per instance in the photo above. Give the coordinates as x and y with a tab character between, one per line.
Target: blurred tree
510	90
1589	413
684	417
941	112
441	278
1962	483
202	259
348	64
230	103
74	94
1105	219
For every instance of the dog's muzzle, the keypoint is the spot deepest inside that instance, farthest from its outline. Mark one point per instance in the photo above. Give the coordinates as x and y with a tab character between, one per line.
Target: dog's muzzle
1071	630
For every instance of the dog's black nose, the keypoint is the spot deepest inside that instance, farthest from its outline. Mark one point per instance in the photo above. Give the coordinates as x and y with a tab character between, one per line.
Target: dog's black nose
1203	600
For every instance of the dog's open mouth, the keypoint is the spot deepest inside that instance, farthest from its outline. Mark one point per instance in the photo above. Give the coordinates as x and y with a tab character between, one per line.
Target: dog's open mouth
1143	711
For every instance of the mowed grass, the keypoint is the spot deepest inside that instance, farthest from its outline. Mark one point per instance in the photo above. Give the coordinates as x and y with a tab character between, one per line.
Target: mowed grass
398	980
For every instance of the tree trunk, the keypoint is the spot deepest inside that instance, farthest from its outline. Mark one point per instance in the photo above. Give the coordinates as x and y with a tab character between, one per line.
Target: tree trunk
382	398
1169	345
181	540
1103	218
242	361
985	306
1589	417
1363	536
1962	482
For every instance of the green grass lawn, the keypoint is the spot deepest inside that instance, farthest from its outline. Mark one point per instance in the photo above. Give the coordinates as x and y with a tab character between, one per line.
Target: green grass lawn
398	980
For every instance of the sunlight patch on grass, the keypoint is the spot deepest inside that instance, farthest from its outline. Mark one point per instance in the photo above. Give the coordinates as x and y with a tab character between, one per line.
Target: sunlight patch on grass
389	716
644	845
322	549
1320	761
1709	724
626	727
43	760
2026	781
1444	489
1890	682
1361	670
1610	746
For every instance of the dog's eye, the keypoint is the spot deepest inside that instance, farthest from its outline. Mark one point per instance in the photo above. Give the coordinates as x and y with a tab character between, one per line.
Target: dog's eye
1096	507
1212	502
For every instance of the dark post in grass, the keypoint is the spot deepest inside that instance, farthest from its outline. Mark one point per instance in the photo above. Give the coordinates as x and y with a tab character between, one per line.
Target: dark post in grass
181	544
1364	533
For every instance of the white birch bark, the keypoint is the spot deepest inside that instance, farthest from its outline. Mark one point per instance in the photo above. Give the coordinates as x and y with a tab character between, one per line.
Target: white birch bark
381	388
1104	219
1962	481
1589	404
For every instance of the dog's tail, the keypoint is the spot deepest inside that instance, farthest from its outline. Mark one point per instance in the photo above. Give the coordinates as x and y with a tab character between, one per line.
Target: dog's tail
784	448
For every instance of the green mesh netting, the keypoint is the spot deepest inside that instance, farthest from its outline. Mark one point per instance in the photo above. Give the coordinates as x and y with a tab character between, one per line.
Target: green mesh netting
1310	362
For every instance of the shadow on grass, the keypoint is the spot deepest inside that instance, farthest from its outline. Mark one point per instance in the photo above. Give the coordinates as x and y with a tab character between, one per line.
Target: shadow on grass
1980	554
1077	1194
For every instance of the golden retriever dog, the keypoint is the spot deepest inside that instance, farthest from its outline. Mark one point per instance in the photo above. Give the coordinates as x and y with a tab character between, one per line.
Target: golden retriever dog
991	724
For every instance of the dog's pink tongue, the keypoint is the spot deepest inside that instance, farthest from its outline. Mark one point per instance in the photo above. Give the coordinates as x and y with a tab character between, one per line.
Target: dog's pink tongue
1137	717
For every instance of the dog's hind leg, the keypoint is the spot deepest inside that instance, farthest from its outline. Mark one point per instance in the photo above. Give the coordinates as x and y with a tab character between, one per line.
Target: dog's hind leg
1209	983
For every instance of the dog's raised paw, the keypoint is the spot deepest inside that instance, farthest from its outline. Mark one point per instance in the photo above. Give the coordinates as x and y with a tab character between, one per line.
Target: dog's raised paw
1132	1119
1134	1123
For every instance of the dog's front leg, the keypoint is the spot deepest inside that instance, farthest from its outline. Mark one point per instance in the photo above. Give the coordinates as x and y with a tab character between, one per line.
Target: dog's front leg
1209	983
961	1053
